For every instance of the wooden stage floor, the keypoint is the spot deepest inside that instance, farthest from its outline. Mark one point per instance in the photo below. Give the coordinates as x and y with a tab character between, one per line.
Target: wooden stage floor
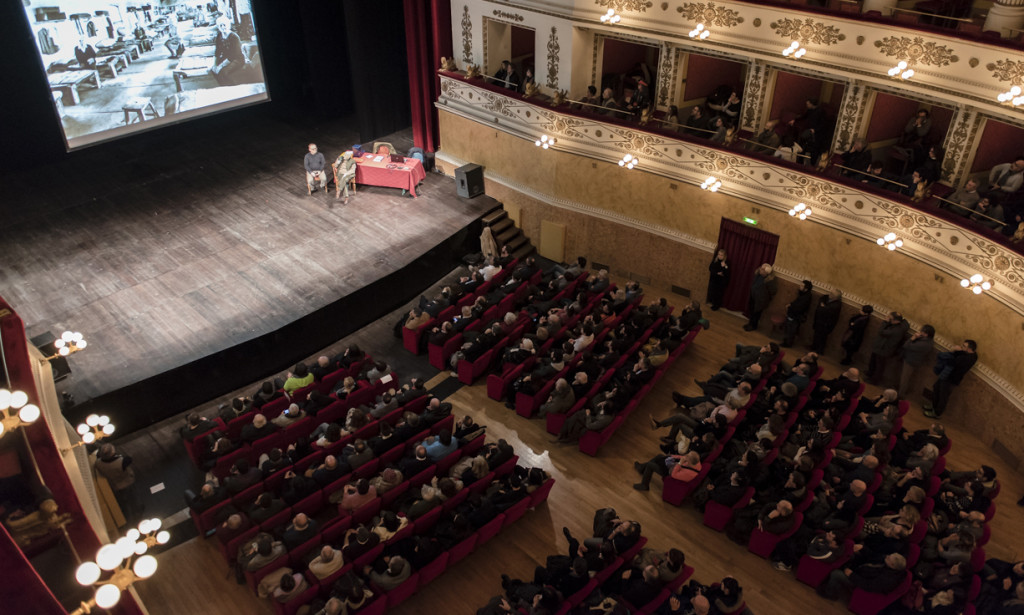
160	264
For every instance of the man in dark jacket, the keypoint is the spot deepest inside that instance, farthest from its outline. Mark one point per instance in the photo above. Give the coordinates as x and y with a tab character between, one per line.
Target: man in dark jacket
826	317
762	289
887	344
853	337
796	313
876	577
915	353
951	368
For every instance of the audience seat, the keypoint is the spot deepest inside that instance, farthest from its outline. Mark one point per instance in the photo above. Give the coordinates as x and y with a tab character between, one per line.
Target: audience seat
403	592
516	511
763	543
462	549
717	516
296	603
868	603
813	572
490	529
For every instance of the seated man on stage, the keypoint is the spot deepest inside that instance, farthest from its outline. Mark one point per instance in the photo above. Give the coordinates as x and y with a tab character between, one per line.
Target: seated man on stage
85	54
314	163
344	172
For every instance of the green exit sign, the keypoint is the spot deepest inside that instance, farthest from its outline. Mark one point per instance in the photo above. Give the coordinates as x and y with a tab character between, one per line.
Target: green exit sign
750	221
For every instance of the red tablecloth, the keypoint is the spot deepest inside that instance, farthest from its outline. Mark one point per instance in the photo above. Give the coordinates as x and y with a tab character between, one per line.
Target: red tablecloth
390	175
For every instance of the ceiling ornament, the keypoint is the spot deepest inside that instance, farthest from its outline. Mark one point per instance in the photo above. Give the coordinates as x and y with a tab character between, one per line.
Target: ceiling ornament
709	14
1007	70
808	31
916	51
639	6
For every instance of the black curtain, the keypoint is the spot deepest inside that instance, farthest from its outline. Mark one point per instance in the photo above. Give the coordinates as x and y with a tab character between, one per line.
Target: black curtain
380	72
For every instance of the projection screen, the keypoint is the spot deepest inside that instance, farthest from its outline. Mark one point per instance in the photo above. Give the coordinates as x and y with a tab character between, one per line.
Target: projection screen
121	66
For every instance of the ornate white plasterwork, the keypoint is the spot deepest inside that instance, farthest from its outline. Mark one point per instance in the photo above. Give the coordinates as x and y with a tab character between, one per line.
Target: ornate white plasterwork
937	242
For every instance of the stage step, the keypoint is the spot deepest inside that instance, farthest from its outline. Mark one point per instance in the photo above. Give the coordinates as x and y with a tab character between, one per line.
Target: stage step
495	216
501	226
508	236
525	250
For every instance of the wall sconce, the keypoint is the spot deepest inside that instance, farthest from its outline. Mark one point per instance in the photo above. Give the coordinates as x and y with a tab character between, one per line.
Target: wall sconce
26	413
711	184
629	161
901	71
700	32
94	428
68	343
128	562
800	211
1013	97
794	50
976	284
544	141
890	242
610	17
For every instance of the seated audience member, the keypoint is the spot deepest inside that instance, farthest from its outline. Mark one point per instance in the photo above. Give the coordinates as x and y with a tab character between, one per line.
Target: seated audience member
963	200
358	540
195	426
266	393
388	479
301	529
209	496
772	517
440	446
396	571
298	378
290	415
1006	178
879	577
272	461
388	524
326	563
411	466
265	507
233	527
290	586
680	467
329	471
989	213
259	552
355	495
242	477
259	428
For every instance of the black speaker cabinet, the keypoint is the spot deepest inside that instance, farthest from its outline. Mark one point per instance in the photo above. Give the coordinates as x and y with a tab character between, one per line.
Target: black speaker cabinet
469	180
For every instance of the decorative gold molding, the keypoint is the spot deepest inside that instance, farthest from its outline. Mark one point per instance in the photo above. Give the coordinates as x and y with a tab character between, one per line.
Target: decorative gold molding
1007	70
709	14
553	50
808	31
666	59
916	50
516	17
639	6
467	35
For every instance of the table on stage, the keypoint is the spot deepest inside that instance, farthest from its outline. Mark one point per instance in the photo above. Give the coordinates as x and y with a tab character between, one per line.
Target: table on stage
405	175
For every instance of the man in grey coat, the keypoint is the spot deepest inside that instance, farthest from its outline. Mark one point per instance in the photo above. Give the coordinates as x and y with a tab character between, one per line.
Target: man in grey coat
916	353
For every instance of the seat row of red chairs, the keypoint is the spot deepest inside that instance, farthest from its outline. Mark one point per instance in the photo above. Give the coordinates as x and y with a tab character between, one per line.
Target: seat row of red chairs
333	532
365	392
526	404
412	338
206	521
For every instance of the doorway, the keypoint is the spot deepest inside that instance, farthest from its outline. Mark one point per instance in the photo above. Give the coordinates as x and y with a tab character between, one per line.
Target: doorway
746	248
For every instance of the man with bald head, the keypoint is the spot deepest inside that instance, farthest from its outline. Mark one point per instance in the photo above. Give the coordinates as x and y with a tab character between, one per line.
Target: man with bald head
877	577
301	529
327	563
411	466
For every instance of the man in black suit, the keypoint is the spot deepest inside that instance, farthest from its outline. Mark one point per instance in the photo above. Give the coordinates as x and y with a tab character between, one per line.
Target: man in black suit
301	529
878	577
410	466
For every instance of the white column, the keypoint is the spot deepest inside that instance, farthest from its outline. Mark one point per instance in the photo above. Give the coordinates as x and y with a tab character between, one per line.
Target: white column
885	6
1005	17
853	116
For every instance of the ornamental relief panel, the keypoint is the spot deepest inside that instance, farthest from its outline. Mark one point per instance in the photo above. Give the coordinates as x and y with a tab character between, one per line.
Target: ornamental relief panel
709	14
639	6
467	35
916	51
553	50
808	31
934	241
1007	70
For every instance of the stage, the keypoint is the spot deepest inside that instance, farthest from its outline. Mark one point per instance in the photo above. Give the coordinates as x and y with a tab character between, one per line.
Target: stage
209	266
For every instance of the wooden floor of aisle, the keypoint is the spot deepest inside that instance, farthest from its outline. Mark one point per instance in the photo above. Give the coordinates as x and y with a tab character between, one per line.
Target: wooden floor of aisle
193	578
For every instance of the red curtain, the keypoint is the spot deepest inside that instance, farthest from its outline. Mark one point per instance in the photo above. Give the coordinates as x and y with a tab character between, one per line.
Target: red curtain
55	477
747	248
428	36
21	588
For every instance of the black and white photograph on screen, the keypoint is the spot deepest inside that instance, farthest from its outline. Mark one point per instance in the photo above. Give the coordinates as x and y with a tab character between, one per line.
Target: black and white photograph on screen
115	67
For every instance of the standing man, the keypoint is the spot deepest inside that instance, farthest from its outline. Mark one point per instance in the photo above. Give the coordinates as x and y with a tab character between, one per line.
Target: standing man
796	313
314	163
718	279
887	343
915	352
762	289
1006	178
826	317
853	337
951	367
